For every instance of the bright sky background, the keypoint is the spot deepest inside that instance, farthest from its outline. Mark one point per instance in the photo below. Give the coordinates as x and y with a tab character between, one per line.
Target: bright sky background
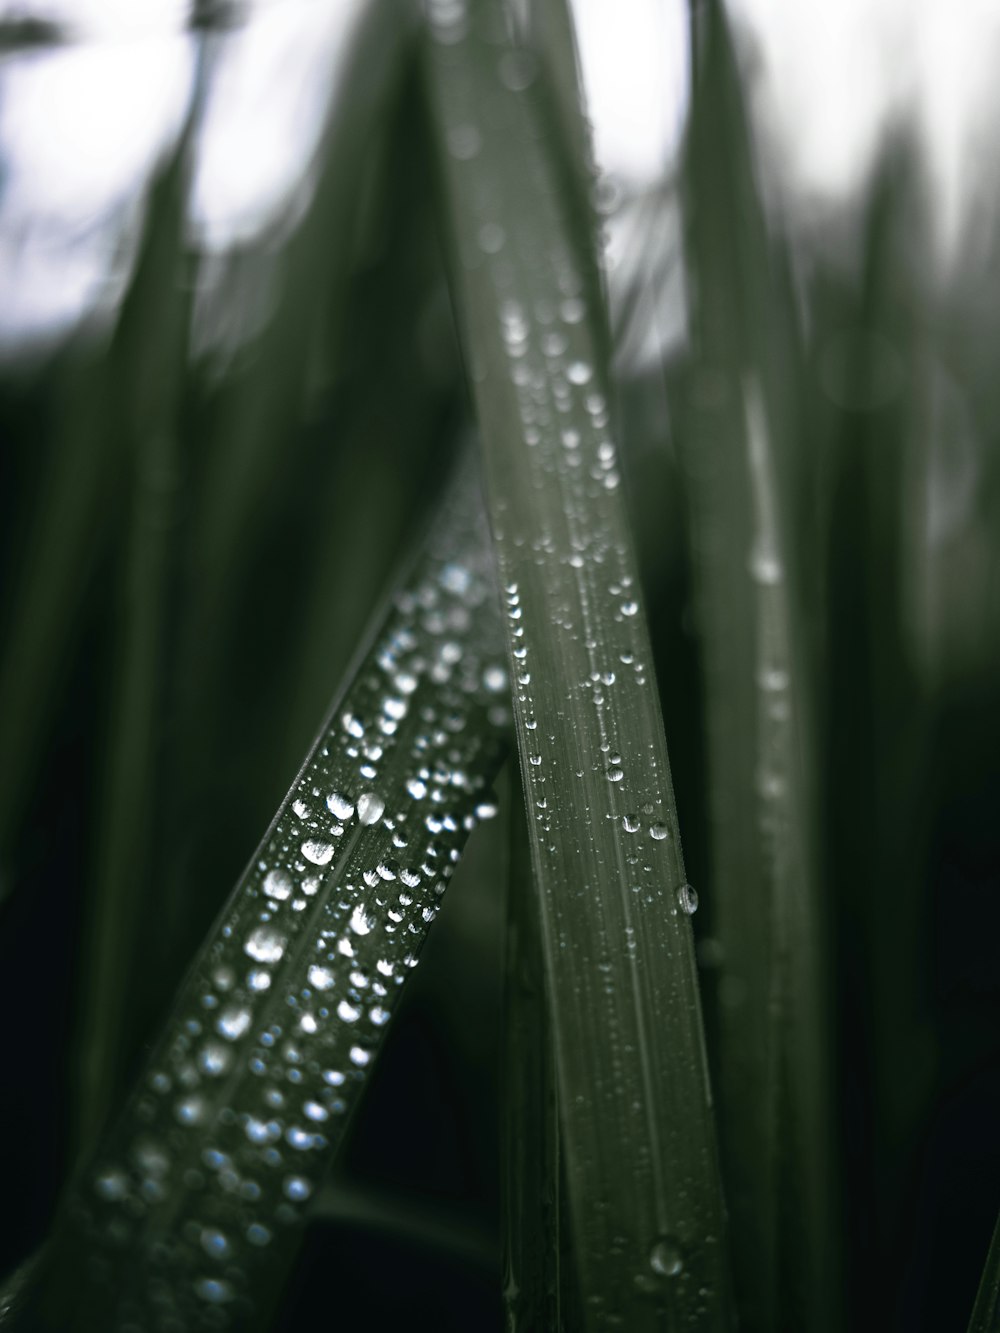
82	126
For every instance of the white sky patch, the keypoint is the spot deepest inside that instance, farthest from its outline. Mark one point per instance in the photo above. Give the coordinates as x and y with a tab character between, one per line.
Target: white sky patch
265	113
636	71
833	79
81	129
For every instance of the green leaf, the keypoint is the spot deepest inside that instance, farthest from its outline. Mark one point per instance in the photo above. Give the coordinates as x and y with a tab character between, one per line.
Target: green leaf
189	1210
986	1311
636	1109
741	447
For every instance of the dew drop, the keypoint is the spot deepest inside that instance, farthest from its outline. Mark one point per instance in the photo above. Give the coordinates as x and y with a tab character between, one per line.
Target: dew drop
214	1059
258	1234
347	1011
629	608
339	806
665	1257
278	885
215	1243
579	373
265	944
214	1290
765	567
370	807
687	899
630	823
111	1185
492	238
232	1023
615	774
297	1188
320	978
190	1110
658	832
359	921
319	853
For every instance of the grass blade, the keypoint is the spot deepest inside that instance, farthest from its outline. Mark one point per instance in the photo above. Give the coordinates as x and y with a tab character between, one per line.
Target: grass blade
110	994
188	1213
738	454
532	1203
986	1311
636	1109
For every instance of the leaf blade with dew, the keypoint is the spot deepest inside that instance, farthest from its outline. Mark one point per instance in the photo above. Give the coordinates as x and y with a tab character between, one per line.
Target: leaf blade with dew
189	1208
738	455
638	1131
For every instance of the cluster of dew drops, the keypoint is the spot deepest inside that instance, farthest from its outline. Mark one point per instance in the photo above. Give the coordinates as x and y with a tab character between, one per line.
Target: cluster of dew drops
232	1127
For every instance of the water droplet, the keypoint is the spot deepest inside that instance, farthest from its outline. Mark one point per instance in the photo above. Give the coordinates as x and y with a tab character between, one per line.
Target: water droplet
495	679
687	899
320	978
214	1059
215	1243
359	1056
492	238
190	1110
297	1188
319	853
615	774
773	679
339	806
579	373
630	823
258	979
111	1185
417	788
278	885
359	921
232	1023
370	807
257	1234
658	832
765	567
315	1111
665	1258
214	1290
265	944
347	1011
629	608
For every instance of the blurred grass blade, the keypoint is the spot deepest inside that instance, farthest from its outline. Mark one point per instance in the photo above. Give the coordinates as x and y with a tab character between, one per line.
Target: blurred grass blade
636	1110
986	1311
532	1208
738	453
150	398
188	1212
